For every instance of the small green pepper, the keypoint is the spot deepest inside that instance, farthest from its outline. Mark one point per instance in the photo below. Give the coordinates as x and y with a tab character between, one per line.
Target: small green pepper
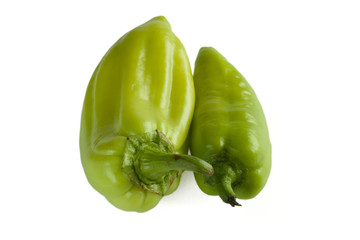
229	130
136	116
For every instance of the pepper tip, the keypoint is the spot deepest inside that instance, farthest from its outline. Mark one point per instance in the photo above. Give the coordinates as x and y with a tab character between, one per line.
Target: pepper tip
232	201
206	48
161	18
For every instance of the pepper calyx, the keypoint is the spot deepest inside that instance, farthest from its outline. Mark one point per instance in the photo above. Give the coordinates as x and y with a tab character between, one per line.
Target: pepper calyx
151	162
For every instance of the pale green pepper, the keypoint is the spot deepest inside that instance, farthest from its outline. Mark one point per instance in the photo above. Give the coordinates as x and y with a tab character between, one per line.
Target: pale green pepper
136	116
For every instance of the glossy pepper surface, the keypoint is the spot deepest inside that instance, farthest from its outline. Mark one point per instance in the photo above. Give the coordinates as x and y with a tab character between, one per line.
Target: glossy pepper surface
136	115
229	130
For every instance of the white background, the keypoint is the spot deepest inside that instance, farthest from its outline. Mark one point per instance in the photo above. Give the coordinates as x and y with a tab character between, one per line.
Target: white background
301	57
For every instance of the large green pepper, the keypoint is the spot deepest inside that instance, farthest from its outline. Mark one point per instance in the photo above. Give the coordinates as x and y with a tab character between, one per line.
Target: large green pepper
229	130
136	116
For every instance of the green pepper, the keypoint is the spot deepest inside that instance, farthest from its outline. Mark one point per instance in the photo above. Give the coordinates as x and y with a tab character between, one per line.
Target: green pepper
229	130
136	116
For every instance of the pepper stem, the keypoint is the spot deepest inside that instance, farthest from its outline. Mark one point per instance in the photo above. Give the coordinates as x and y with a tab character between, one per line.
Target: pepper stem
154	165
225	176
226	192
151	163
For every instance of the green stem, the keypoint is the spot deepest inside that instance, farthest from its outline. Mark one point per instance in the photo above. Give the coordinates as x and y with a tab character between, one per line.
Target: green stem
226	192
225	176
151	163
154	165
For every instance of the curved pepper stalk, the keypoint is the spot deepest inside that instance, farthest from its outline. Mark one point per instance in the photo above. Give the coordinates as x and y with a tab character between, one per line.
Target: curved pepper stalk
151	162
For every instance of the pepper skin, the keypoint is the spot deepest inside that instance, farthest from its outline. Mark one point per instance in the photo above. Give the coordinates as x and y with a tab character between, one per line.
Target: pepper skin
136	116
229	130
